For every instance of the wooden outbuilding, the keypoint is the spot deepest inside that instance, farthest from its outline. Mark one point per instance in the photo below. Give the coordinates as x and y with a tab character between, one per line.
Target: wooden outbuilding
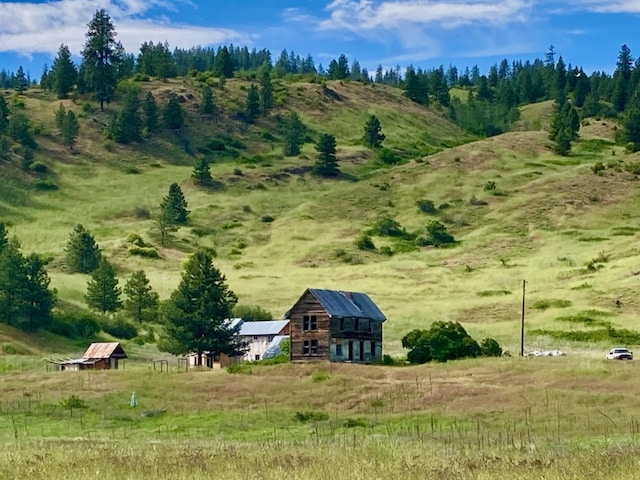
335	326
99	356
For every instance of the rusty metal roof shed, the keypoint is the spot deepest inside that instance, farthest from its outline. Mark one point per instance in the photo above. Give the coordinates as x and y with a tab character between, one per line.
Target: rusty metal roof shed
105	350
347	304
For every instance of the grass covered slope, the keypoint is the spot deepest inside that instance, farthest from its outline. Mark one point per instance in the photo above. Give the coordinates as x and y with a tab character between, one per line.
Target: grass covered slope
517	210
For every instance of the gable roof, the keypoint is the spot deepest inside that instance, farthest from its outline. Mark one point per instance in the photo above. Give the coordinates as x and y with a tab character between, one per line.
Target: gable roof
347	304
271	327
104	350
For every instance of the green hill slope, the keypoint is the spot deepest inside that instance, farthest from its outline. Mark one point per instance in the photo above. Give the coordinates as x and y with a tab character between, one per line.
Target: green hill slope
277	230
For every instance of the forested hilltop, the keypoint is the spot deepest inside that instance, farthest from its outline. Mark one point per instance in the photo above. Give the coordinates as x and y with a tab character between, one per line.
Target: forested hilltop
286	173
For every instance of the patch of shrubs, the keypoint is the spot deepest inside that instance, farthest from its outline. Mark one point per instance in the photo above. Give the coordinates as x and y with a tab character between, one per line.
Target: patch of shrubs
426	206
74	324
120	328
137	246
311	416
445	341
364	242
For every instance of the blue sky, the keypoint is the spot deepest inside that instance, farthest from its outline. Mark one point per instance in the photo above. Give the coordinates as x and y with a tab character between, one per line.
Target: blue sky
427	34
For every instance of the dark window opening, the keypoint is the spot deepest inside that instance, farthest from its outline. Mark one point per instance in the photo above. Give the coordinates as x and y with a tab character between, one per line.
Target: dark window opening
309	322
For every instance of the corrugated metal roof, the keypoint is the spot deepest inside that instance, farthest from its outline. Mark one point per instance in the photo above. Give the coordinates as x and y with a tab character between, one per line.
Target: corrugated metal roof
104	350
273	349
270	327
347	304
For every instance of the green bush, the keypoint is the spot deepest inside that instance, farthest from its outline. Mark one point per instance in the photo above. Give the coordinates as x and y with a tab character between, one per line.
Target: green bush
364	242
146	252
311	416
46	186
388	157
490	348
120	328
319	376
81	324
251	313
240	368
441	342
386	250
426	206
388	227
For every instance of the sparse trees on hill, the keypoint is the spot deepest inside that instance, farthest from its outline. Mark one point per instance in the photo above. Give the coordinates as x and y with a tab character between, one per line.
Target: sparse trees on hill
142	302
63	73
266	91
339	70
198	311
82	252
327	164
208	106
101	57
4	114
373	136
564	127
103	293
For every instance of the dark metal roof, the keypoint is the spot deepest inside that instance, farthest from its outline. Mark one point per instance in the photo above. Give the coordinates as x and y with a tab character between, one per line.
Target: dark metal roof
347	304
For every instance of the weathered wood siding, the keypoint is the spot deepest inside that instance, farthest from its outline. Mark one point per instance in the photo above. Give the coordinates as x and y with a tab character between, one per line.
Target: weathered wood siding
355	340
308	305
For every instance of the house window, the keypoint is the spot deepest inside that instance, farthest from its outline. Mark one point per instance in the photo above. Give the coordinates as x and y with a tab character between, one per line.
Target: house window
356	325
310	347
309	322
342	324
255	337
257	357
339	348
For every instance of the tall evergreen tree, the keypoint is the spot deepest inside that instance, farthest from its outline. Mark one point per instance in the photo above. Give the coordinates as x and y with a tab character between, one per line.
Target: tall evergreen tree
339	70
327	164
142	302
207	100
126	126
373	136
39	299
63	72
4	236
21	80
631	122
252	108
266	91
173	114
223	65
202	173
198	311
621	78
293	134
101	57
13	286
103	293
175	205
4	114
82	252
150	113
69	129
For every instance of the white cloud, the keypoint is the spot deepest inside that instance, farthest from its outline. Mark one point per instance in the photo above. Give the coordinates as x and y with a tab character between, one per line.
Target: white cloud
28	28
612	6
368	15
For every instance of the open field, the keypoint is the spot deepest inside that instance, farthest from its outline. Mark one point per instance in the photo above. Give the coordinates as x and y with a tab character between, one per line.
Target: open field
490	418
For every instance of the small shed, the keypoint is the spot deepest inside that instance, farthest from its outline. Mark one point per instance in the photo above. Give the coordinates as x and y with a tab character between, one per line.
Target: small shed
99	356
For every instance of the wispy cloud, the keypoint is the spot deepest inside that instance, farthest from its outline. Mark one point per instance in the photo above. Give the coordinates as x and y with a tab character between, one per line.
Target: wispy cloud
612	6
28	28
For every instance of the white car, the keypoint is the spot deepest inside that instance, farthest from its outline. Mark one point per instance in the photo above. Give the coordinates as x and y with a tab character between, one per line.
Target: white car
620	353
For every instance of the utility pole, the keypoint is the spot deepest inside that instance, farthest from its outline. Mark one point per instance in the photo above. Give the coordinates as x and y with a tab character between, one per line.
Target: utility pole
524	282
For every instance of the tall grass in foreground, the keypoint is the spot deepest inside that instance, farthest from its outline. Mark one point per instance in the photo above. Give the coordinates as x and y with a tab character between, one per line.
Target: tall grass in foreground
352	457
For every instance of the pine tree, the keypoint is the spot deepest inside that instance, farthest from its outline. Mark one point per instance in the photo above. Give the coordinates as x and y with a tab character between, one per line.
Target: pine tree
82	253
252	109
101	57
202	173
207	100
266	91
127	125
39	300
223	65
4	237
12	284
173	114
4	114
373	136
150	113
327	164
196	315
103	293
142	302
70	129
631	122
63	72
293	134
21	80
175	205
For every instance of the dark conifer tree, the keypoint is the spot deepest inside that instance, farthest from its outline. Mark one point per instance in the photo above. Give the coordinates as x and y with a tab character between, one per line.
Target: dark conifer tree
327	164
82	251
175	205
150	113
252	108
103	293
373	136
63	73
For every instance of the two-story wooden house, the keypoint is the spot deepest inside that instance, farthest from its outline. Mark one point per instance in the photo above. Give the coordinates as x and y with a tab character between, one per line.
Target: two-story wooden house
329	325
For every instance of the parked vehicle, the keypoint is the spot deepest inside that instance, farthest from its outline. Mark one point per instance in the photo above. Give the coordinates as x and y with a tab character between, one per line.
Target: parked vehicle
620	353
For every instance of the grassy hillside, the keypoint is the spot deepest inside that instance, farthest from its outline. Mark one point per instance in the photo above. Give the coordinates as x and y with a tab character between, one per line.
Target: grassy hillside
546	219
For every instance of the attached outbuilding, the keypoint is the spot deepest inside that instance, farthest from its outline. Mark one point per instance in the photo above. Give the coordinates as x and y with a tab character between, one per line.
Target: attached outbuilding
99	356
335	326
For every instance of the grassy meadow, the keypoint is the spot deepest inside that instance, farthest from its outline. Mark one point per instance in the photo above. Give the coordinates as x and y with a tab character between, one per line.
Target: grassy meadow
518	212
